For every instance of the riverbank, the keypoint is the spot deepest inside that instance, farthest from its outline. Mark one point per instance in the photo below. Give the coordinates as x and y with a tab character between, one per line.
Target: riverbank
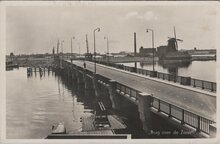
203	57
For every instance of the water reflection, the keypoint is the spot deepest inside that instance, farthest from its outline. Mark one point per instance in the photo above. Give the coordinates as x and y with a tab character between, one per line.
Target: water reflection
173	67
192	69
36	102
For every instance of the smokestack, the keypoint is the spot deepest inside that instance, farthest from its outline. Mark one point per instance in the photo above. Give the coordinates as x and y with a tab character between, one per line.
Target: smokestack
135	51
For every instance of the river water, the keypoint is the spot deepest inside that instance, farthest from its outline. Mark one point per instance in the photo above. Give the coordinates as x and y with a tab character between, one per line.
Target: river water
203	70
34	104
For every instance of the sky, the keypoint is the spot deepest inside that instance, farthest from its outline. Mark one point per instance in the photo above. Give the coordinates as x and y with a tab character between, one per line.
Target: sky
36	29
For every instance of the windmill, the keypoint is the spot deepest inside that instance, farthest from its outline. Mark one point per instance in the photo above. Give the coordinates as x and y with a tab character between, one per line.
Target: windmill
172	42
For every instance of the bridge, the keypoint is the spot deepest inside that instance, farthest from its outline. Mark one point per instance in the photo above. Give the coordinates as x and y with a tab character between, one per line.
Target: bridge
174	100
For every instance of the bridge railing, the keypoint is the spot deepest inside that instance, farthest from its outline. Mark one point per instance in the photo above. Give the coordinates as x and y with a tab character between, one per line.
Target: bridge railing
196	121
203	84
143	72
127	91
169	77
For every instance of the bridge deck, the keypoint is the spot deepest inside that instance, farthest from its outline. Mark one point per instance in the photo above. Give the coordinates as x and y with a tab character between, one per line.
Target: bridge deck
197	101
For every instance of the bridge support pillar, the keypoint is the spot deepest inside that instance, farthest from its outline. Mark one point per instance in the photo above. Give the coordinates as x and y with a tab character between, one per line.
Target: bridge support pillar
113	95
212	130
74	77
89	89
95	84
185	80
144	105
69	73
80	81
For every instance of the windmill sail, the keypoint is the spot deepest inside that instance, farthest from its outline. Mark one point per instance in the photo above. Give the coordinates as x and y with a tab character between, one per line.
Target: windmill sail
175	38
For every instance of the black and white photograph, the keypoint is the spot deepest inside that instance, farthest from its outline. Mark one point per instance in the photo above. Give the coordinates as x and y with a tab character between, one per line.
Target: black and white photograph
109	70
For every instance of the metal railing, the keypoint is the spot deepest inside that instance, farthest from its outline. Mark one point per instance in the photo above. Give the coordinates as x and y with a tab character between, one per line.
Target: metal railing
127	91
170	77
185	117
196	121
206	85
203	84
143	72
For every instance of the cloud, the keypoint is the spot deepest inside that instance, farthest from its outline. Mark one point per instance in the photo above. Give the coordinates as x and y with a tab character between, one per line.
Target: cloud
147	16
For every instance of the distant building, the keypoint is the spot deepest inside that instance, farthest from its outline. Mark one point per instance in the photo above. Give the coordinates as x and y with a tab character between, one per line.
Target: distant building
162	51
201	51
144	52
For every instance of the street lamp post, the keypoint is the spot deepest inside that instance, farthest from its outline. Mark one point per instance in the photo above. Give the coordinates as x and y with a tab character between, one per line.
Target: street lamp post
152	44
97	29
107	48
72	48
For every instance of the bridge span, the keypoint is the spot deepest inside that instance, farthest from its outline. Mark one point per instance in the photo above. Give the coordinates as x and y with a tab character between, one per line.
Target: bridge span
197	101
187	105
